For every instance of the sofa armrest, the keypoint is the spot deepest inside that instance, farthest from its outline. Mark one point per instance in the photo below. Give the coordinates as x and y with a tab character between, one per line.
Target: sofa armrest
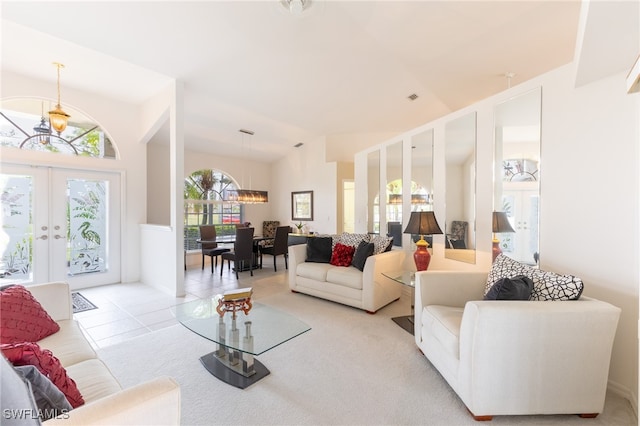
156	402
55	298
297	255
376	289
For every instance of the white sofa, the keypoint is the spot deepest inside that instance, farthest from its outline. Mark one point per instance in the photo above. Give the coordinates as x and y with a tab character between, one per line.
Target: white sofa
366	289
156	402
505	357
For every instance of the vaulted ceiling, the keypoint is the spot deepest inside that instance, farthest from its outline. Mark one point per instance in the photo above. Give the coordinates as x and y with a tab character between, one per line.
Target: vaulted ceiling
339	68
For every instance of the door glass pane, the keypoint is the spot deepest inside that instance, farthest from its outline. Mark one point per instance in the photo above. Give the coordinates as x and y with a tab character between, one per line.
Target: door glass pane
87	226
17	229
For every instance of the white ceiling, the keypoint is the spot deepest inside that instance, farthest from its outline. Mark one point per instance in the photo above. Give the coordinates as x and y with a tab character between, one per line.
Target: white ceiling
339	68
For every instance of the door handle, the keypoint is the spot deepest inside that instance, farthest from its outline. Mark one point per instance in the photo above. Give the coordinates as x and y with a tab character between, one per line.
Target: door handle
43	237
57	237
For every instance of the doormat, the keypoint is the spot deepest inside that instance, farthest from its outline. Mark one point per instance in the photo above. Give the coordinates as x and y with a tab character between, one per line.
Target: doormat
80	303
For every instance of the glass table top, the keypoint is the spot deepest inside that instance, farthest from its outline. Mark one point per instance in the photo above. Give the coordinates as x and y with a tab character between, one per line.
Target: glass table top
407	278
269	327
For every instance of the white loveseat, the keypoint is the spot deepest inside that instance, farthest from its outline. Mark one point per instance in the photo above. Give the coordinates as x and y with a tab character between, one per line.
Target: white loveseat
506	357
366	289
156	402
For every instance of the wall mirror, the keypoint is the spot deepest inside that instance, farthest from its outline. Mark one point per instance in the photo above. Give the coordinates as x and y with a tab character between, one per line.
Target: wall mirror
517	175
394	192
422	176
460	189
373	189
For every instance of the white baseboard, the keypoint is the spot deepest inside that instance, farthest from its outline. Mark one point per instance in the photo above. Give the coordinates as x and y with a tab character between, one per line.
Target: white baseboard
625	393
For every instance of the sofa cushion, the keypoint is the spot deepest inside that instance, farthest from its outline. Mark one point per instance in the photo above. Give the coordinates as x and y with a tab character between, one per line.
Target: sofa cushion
30	353
348	277
516	288
361	254
444	323
94	379
342	255
22	318
69	344
505	267
319	249
313	271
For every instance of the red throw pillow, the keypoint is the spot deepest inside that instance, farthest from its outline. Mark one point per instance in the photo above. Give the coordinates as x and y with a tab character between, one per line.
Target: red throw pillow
342	255
30	353
22	318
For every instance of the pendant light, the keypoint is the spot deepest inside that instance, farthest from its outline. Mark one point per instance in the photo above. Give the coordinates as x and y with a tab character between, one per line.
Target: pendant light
43	131
57	116
246	196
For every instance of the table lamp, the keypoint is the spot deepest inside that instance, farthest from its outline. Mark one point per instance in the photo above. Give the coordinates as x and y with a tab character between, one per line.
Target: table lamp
422	223
500	224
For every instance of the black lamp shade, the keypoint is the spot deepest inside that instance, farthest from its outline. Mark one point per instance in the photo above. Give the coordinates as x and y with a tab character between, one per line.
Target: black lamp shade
501	223
423	223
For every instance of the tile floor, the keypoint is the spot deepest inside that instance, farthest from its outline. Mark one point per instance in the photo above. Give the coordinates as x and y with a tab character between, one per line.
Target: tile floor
130	310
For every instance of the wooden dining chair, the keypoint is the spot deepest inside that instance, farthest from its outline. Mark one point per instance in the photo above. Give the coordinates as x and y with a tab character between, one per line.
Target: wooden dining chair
280	247
208	233
242	251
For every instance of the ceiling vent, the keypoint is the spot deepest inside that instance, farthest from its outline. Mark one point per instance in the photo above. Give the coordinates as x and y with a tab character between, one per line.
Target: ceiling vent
248	132
412	97
298	145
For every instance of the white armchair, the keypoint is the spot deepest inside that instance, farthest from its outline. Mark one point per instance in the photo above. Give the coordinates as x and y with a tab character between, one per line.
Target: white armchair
514	357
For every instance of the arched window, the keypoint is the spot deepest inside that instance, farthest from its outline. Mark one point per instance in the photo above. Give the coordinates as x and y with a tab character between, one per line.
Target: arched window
24	124
203	205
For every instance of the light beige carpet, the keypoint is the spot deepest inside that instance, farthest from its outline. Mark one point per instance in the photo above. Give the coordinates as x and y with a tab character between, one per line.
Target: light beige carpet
352	368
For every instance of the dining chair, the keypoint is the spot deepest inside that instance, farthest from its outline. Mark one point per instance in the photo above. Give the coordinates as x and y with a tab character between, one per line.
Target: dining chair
208	233
280	247
242	251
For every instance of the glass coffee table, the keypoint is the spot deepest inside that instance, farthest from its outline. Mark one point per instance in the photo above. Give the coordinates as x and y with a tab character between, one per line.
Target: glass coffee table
238	339
406	278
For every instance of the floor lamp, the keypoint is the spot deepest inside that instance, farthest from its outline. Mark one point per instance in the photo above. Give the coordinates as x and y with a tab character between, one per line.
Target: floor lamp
500	224
422	223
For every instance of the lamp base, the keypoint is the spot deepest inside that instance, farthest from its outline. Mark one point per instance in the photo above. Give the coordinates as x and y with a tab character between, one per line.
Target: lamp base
421	256
496	250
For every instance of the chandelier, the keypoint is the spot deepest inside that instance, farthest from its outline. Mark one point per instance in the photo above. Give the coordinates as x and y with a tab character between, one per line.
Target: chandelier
57	116
245	196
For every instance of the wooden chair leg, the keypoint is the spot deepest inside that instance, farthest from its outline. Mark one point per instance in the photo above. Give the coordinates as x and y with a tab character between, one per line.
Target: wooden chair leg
286	258
275	268
588	415
480	418
203	261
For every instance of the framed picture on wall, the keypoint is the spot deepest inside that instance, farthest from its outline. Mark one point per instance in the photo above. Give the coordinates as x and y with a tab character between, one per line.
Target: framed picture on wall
302	205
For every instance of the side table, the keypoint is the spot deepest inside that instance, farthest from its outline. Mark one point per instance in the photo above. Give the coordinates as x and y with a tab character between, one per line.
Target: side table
406	278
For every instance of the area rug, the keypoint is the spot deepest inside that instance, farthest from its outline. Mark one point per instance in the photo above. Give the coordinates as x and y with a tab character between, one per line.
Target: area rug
351	368
81	303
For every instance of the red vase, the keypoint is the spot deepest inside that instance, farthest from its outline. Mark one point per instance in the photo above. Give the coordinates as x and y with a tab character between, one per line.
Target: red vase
422	257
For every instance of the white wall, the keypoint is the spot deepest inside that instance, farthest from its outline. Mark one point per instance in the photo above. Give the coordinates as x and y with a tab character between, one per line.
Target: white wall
589	185
305	169
589	200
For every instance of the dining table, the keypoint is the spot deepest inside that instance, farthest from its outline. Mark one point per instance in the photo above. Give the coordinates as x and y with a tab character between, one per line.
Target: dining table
230	239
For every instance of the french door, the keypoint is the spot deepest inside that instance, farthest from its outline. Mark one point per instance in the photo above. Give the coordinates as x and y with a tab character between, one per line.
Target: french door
59	225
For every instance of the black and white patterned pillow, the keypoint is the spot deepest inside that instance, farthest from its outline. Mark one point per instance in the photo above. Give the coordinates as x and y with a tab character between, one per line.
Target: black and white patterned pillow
552	286
380	243
546	285
506	267
353	240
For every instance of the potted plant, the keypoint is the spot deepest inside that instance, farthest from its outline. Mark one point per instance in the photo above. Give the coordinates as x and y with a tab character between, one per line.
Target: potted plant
299	225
